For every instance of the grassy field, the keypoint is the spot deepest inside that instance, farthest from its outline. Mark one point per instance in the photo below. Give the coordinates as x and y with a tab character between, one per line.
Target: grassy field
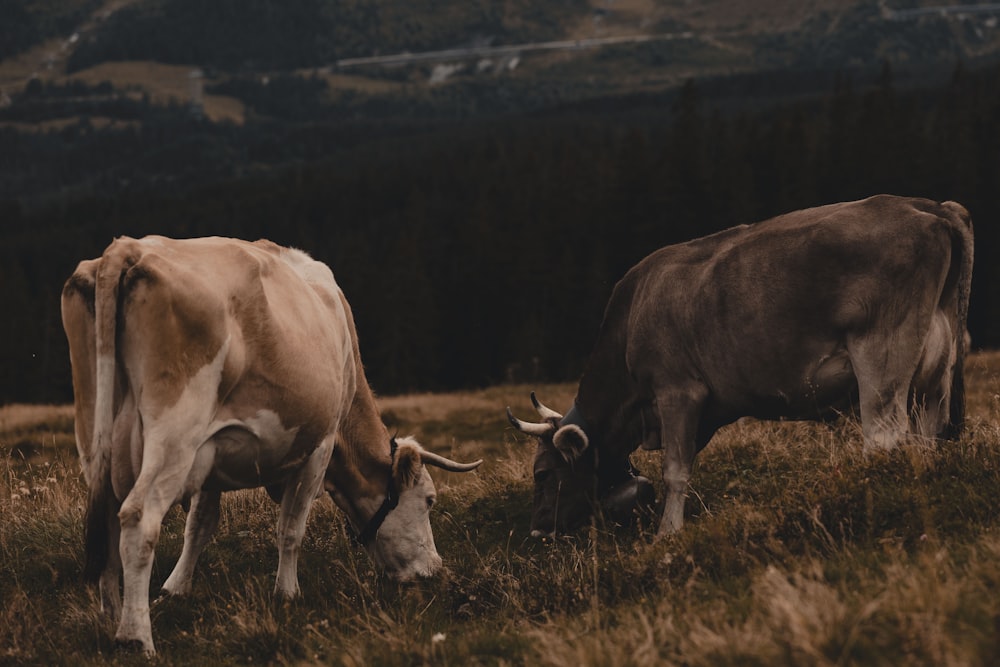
798	550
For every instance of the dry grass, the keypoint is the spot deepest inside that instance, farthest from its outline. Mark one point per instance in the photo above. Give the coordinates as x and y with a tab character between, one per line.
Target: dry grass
36	430
20	416
339	82
164	84
798	550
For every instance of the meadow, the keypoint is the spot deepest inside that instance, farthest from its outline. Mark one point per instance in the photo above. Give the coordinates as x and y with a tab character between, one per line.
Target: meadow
798	550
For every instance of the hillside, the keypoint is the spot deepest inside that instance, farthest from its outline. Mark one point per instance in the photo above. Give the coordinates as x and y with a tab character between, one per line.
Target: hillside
518	181
148	49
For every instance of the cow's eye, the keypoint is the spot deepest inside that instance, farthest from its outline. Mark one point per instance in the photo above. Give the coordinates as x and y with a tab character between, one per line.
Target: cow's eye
542	475
430	501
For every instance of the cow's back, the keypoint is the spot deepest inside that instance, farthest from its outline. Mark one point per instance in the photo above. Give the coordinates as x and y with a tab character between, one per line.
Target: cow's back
272	317
762	313
279	313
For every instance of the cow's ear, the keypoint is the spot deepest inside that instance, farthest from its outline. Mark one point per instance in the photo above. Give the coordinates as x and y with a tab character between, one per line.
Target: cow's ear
571	442
406	467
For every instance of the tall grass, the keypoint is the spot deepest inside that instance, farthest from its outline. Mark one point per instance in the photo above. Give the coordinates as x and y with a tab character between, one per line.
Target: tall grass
798	550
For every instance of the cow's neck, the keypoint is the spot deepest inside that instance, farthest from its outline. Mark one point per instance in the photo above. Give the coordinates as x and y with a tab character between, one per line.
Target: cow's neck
362	460
612	421
607	396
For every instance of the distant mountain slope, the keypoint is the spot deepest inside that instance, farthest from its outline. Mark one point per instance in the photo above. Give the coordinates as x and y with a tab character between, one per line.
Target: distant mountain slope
24	24
270	34
221	57
240	36
522	185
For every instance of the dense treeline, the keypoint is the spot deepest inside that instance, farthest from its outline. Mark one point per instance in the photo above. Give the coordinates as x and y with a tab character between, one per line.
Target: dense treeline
479	252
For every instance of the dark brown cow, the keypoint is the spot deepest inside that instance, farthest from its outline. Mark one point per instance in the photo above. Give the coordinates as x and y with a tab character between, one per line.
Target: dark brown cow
205	365
801	316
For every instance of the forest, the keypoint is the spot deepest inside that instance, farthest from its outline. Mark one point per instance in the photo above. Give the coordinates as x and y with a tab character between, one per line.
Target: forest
475	248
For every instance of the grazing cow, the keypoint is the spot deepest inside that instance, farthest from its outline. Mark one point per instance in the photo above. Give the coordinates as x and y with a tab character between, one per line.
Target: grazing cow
801	316
206	365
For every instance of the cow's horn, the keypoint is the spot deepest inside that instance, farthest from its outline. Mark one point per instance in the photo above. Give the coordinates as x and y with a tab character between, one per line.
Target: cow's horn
530	428
443	462
546	413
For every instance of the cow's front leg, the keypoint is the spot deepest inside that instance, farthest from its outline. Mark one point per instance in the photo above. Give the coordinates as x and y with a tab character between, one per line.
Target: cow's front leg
679	415
296	500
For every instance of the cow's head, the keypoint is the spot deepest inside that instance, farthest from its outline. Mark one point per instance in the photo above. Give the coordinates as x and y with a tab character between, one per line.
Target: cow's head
568	483
398	535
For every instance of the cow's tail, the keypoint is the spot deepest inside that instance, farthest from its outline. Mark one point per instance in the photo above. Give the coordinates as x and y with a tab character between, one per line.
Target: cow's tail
962	251
101	501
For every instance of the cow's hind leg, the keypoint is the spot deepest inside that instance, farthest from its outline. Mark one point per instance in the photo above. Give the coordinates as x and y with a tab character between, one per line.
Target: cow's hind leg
140	516
296	500
166	470
884	367
109	584
202	521
930	411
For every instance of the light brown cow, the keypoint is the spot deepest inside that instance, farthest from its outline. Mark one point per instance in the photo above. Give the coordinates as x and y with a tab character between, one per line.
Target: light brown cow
801	316
206	365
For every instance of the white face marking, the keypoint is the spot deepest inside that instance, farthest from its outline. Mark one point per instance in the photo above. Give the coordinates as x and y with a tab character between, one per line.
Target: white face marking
405	544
